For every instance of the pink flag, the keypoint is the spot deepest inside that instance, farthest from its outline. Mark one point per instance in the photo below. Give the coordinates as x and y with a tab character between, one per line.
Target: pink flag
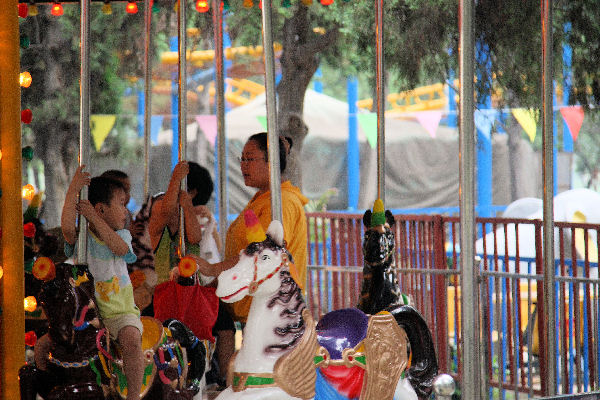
573	116
429	120
208	124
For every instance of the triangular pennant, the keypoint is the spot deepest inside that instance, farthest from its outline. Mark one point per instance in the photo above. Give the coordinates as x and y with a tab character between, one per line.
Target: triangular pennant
263	121
527	119
155	128
484	120
368	123
101	125
429	120
573	116
208	124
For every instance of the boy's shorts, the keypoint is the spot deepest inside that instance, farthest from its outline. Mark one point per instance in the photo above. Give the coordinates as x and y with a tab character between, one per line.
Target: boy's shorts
115	324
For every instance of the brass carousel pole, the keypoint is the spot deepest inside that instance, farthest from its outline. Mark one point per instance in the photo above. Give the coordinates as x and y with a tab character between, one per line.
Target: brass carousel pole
12	284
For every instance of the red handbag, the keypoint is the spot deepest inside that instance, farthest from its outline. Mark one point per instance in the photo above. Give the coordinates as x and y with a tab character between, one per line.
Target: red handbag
196	306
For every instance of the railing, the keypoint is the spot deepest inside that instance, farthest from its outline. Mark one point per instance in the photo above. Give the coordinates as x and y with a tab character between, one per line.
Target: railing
511	264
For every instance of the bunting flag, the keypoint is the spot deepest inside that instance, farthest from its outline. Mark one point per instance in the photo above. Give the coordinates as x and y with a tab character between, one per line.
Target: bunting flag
484	120
368	123
573	116
263	121
101	127
429	120
527	119
208	124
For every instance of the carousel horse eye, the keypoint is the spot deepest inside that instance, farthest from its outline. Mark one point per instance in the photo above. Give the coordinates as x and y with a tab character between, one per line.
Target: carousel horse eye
264	257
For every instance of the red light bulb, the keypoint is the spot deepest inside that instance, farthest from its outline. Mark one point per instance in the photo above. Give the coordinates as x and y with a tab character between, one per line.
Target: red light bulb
326	2
23	10
131	7
57	10
26	116
202	6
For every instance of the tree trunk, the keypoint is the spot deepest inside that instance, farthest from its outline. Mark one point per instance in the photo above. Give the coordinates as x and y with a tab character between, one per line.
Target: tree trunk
299	61
56	139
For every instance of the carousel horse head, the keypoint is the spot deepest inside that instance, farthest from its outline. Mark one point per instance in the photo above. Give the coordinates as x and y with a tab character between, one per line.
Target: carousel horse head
262	266
68	302
379	238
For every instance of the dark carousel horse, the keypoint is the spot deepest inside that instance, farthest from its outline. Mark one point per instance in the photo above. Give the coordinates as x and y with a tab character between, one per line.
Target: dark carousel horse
380	292
81	364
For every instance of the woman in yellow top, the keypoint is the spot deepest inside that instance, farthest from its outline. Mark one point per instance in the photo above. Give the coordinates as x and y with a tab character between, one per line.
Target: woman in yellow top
255	169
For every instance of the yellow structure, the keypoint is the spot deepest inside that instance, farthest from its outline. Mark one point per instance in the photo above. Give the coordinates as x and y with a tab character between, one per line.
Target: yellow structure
12	284
199	57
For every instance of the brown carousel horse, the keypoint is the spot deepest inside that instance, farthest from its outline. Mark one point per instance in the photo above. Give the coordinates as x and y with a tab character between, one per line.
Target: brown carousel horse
82	364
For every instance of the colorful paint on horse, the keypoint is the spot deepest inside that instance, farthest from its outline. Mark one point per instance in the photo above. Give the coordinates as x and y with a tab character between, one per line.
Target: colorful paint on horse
83	364
282	344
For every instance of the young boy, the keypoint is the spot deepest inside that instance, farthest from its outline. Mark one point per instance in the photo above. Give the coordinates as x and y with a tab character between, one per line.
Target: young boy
108	251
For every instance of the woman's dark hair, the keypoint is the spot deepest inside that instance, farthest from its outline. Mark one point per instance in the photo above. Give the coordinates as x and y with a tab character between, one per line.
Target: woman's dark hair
199	178
102	189
285	144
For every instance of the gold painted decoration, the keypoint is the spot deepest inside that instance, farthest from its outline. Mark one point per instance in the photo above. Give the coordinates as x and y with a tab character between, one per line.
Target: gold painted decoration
386	349
295	372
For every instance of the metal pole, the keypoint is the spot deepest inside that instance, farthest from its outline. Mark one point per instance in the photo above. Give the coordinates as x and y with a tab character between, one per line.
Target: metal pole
217	18
547	161
469	269
147	95
273	131
12	283
182	104
84	122
380	86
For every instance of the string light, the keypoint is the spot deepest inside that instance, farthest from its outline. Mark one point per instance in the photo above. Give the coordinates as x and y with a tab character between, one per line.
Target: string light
44	269
33	10
202	6
248	3
107	8
30	338
131	7
27	153
27	192
326	2
26	116
307	2
57	10
25	79
30	303
22	9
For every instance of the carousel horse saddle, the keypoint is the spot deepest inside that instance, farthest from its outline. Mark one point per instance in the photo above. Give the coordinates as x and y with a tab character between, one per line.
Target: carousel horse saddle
359	354
162	355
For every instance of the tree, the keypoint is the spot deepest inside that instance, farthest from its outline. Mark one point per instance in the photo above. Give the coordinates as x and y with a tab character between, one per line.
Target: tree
53	60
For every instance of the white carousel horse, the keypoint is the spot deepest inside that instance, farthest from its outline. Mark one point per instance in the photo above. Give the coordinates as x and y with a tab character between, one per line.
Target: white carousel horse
285	356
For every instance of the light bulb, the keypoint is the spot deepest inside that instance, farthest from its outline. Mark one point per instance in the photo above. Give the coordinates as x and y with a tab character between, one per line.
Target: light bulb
57	10
131	7
30	303
202	6
25	79
28	192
